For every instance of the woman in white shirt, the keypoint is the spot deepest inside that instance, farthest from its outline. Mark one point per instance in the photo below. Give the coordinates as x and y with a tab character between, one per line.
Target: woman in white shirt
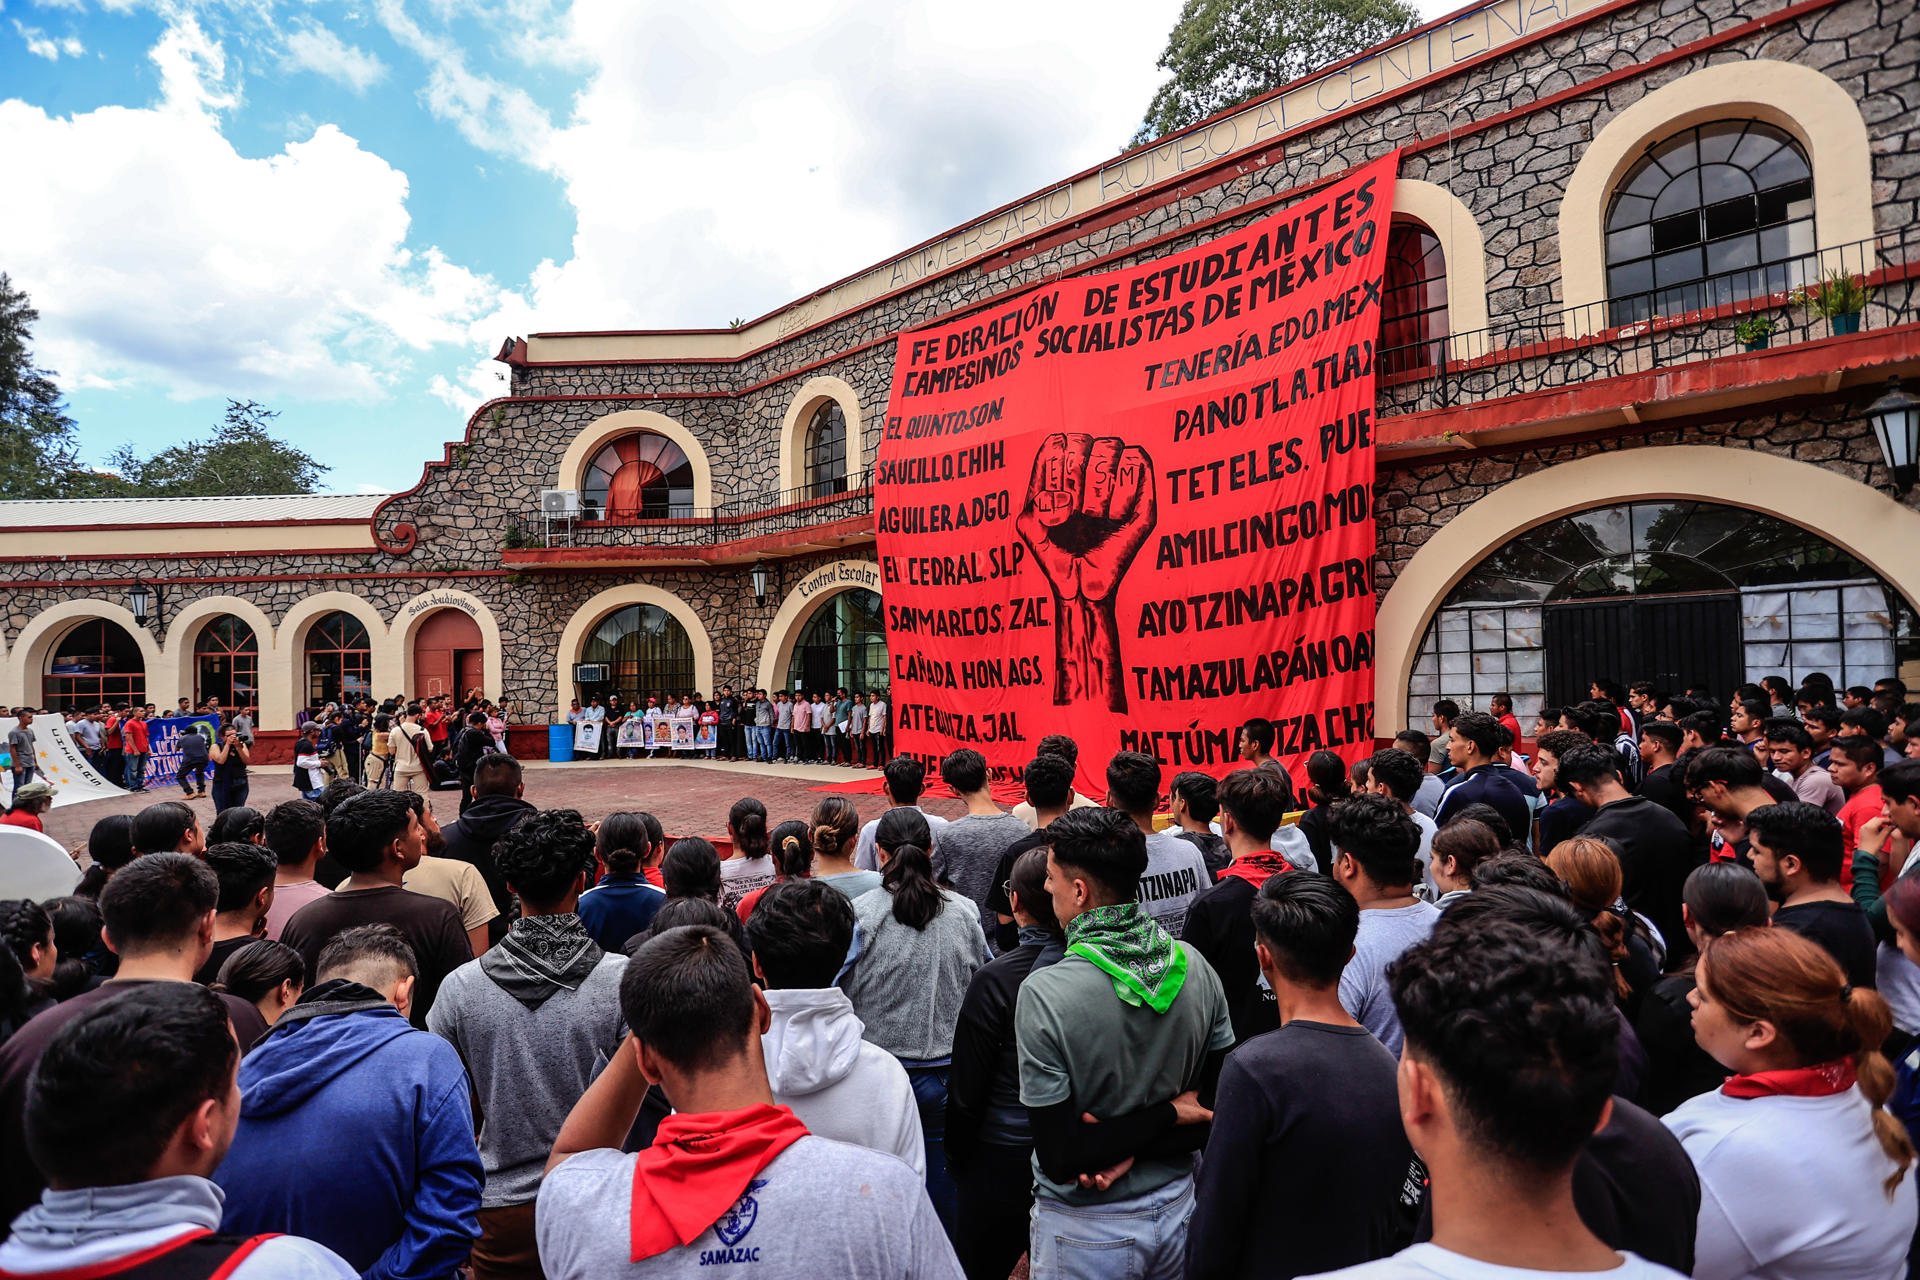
1803	1172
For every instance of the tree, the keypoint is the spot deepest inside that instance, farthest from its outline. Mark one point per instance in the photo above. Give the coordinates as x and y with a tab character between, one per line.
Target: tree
241	458
1222	52
39	456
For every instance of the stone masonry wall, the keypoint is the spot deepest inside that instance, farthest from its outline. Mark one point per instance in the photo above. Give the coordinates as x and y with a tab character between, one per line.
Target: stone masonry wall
1510	176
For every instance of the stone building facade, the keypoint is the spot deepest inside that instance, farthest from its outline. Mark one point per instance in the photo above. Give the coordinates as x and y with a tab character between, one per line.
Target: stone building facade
1563	357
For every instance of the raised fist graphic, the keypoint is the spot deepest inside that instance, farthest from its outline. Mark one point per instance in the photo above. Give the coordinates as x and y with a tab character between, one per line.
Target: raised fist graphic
1090	505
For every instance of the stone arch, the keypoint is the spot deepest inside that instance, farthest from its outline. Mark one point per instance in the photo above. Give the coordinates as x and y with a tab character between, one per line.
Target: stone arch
290	650
275	676
588	616
1816	111
1863	521
573	463
50	625
793	431
406	624
1453	224
821	584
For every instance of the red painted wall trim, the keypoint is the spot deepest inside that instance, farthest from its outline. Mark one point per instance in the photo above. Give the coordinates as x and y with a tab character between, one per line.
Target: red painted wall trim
566	557
265	577
1721	373
187	555
191	524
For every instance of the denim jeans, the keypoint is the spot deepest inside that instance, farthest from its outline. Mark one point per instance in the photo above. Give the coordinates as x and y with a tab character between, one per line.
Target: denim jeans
782	743
229	795
198	772
929	1081
1142	1238
136	771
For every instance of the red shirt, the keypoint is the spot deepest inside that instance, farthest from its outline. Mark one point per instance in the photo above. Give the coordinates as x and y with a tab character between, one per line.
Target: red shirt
1861	808
113	732
135	734
1513	727
436	726
21	818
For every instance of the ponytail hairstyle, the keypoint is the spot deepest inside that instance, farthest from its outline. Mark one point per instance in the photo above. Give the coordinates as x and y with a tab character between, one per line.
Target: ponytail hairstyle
902	827
793	849
747	821
24	925
1777	976
656	835
836	826
1327	780
1029	884
909	878
692	870
83	957
110	845
1590	869
623	843
260	967
1721	897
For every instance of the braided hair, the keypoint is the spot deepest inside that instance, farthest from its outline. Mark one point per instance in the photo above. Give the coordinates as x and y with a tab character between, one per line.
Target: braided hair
25	924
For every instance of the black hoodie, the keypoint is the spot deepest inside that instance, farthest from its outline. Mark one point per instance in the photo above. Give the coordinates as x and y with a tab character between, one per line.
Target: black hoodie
471	839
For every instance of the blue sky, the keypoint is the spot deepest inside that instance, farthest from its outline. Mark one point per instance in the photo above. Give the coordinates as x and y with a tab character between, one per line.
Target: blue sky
341	209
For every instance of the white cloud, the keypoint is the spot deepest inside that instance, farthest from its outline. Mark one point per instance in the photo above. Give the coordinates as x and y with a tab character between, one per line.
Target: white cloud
161	258
41	45
727	158
312	47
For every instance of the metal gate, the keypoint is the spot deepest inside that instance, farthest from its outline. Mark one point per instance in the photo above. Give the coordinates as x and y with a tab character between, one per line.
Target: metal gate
1674	641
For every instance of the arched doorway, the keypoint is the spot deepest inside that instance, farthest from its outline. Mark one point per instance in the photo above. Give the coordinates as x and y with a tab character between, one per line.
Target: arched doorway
844	645
636	651
339	659
448	655
226	663
96	661
1679	592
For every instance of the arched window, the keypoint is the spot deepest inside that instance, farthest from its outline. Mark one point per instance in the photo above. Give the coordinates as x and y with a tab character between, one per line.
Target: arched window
1676	592
641	476
1711	215
844	646
825	460
95	662
339	659
645	651
1413	306
226	663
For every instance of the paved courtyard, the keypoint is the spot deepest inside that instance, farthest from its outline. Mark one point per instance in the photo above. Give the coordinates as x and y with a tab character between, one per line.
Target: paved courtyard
689	799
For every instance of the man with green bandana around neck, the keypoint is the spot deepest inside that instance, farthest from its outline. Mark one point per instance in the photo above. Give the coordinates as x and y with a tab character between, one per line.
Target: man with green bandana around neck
1117	1042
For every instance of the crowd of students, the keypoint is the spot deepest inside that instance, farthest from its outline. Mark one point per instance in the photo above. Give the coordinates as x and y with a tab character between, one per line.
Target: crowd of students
825	726
1637	1003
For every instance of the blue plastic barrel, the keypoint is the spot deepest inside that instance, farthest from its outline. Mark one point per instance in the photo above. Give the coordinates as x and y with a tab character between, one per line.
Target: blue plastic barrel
559	743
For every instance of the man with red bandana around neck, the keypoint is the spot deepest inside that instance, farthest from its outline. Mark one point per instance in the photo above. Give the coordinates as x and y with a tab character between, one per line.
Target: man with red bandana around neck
731	1179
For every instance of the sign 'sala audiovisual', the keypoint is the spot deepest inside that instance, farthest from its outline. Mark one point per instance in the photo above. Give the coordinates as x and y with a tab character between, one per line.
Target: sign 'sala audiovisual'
1137	507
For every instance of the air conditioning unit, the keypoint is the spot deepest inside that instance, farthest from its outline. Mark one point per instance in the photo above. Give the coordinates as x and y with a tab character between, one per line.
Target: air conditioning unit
559	503
592	672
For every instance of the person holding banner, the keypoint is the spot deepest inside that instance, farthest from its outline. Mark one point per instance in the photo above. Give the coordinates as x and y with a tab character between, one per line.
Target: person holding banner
133	734
20	748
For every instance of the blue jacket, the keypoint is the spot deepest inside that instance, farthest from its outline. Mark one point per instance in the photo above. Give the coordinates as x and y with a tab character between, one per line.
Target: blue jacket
619	907
1491	784
356	1130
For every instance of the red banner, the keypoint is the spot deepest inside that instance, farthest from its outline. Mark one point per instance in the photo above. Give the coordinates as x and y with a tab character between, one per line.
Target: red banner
1137	507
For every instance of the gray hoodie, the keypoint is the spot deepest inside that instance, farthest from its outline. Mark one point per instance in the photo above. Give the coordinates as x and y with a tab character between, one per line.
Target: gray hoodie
839	1085
96	1225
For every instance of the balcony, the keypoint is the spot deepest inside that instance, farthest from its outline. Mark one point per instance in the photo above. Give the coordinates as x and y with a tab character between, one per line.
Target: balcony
1660	354
762	526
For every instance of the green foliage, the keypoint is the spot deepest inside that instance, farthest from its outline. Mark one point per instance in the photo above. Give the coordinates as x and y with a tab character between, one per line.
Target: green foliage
1837	294
1222	52
241	457
39	455
1754	328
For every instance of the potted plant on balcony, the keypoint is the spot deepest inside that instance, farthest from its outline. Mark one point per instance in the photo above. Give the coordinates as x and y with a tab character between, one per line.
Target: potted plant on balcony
1754	331
1839	299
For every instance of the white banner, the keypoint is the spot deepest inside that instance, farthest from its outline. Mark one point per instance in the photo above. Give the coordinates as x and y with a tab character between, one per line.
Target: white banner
58	760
